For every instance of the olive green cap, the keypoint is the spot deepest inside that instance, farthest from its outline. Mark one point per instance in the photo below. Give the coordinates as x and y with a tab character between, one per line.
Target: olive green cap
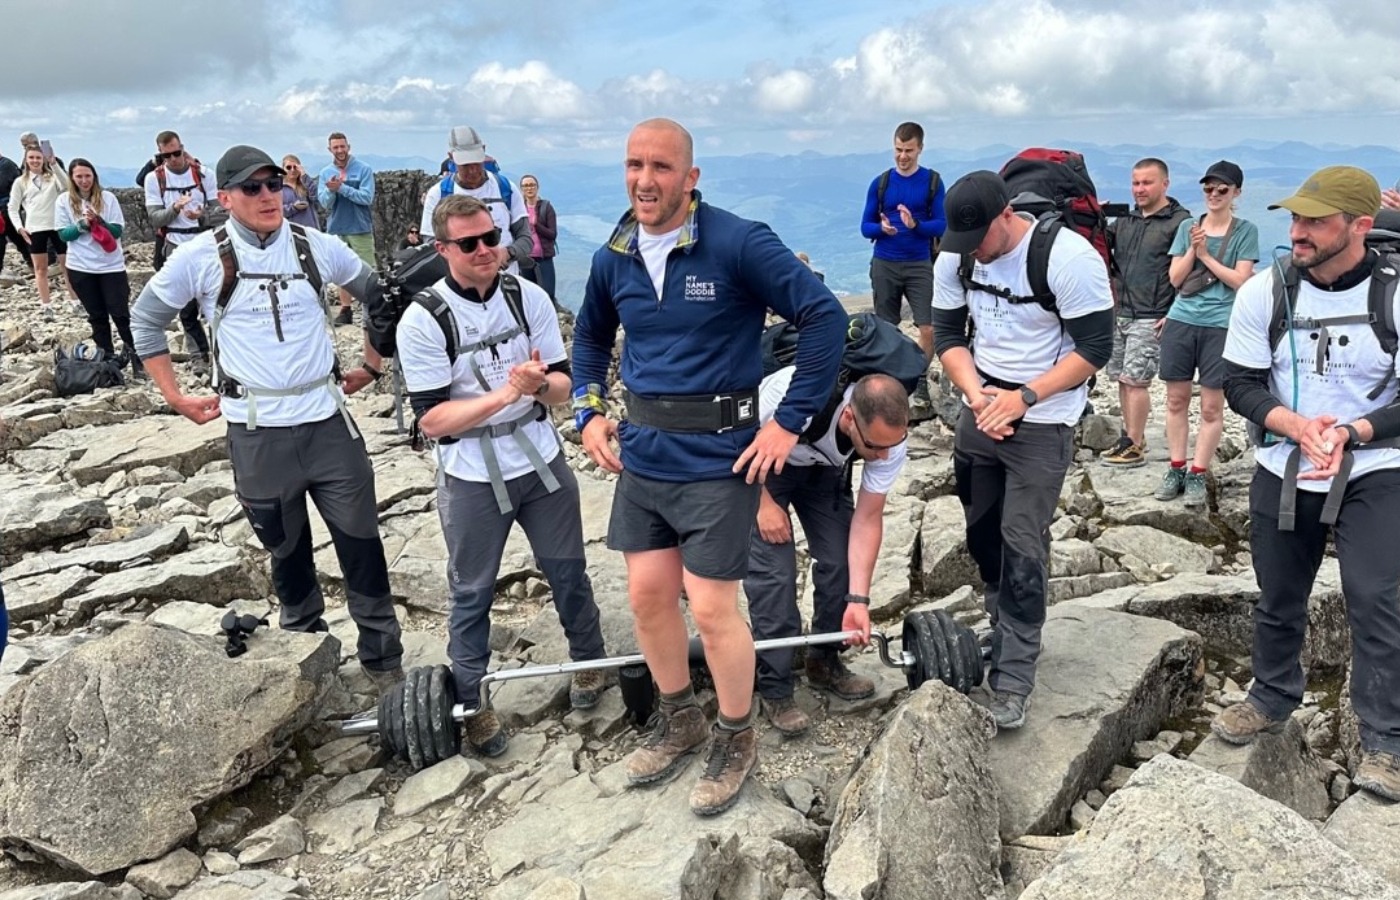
1335	189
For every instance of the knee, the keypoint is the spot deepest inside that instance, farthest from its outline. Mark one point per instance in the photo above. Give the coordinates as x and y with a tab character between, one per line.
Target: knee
1178	402
1212	409
652	606
714	618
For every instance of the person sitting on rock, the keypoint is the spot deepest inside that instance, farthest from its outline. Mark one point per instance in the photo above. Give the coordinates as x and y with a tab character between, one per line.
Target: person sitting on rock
1324	391
500	457
282	391
1023	379
871	422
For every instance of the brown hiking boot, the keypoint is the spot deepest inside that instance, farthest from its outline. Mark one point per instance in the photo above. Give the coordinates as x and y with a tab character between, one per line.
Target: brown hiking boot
1239	723
675	734
786	717
828	673
1379	774
733	755
484	734
586	688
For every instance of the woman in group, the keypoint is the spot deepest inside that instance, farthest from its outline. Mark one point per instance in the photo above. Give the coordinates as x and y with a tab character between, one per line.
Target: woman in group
1210	258
32	201
545	229
90	221
298	194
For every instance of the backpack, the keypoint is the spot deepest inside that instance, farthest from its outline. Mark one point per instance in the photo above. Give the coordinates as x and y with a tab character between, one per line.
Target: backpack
83	369
502	183
883	185
873	347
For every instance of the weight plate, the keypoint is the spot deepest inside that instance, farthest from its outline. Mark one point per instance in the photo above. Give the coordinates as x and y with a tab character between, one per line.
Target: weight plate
441	697
397	740
426	712
960	677
410	720
943	670
386	732
638	691
909	643
972	654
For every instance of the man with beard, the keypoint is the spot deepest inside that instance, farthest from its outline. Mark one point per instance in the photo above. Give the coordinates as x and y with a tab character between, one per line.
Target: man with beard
346	192
501	196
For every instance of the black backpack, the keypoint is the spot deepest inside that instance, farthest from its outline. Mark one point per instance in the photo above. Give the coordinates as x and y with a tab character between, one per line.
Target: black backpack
84	368
873	347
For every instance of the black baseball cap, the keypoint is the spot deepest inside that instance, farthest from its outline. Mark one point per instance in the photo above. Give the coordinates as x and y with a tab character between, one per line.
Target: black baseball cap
1226	172
971	205
239	162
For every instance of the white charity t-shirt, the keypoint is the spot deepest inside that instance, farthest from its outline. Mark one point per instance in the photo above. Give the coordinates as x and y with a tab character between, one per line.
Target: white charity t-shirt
1354	364
423	355
877	475
1018	342
84	253
248	348
178	184
489	193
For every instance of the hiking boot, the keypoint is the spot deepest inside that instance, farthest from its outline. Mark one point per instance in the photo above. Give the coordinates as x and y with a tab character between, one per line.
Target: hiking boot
1196	493
484	734
733	756
1379	774
199	363
1173	483
346	316
1239	723
786	717
586	688
675	734
829	673
384	680
1008	710
1125	454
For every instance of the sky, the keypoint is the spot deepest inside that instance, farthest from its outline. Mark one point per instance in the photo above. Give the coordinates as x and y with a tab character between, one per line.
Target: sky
566	80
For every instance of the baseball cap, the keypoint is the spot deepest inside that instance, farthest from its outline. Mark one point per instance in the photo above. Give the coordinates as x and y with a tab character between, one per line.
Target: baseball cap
971	205
1225	171
1335	189
241	161
466	146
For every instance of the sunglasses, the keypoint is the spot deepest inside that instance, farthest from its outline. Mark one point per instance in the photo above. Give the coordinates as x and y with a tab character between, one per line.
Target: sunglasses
173	154
1218	190
253	186
867	442
469	243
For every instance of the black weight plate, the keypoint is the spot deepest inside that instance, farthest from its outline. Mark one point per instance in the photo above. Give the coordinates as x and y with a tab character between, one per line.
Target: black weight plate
386	731
441	698
638	691
426	712
943	667
411	711
909	642
960	677
395	732
972	654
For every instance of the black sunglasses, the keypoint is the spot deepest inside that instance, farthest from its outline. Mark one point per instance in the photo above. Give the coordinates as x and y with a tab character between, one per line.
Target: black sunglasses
469	243
173	154
253	186
866	441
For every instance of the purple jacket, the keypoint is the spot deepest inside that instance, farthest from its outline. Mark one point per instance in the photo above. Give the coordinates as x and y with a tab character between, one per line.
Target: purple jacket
306	216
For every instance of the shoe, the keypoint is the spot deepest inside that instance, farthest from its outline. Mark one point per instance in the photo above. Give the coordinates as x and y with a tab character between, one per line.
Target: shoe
675	734
138	371
384	680
199	364
1173	483
733	756
346	316
46	313
1125	454
484	734
586	688
1196	494
1379	774
786	717
826	672
1240	722
77	307
1008	710
920	396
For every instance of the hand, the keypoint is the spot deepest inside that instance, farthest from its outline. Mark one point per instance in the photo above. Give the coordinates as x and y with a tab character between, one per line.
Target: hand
503	257
333	183
190	212
1158	327
996	418
356	379
907	217
24	233
299	205
769	450
1318	440
1390	198
1198	242
180	202
885	225
598	435
198	410
857	618
527	377
774	523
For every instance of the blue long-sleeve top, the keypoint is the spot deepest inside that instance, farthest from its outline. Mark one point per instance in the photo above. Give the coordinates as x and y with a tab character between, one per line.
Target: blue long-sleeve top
348	210
701	336
905	245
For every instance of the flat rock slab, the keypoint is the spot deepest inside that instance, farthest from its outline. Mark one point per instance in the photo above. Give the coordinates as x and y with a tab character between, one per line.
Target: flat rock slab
1126	499
1279	766
172	441
105	751
1177	831
211	573
1158	549
1368	829
42	595
945	564
151	543
34	516
1105	680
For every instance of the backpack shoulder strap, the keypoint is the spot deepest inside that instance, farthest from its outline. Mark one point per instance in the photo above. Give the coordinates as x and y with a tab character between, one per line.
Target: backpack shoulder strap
510	287
1285	299
1385	276
445	186
229	260
437	307
1046	229
880	188
160	180
198	176
932	191
507	194
305	257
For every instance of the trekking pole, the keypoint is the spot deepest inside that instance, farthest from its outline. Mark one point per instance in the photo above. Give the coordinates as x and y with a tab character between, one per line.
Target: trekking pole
397	384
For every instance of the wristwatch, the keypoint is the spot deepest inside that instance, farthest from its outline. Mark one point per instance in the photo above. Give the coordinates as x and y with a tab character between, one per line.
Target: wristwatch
1029	397
1353	436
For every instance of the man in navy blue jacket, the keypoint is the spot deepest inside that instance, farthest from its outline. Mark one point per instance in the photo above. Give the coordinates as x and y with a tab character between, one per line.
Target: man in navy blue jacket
690	284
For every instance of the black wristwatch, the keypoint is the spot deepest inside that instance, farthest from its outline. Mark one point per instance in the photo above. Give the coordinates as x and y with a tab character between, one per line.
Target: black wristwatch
1029	397
373	372
1353	436
859	599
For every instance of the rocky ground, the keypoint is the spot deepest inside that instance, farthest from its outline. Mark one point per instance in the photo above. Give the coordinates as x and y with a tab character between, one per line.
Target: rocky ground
137	760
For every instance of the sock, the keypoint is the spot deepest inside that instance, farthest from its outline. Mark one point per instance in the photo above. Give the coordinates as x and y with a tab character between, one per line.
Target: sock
1196	470
732	725
1178	464
680	699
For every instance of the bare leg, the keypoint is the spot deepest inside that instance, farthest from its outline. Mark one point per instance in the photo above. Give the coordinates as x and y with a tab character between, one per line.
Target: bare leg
1178	418
728	642
654	591
1212	425
41	276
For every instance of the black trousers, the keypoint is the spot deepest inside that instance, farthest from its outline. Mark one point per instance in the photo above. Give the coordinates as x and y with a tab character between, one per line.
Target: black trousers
107	298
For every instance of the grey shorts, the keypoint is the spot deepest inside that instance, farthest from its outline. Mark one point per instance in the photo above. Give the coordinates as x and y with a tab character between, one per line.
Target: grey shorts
892	281
709	521
1135	352
1187	349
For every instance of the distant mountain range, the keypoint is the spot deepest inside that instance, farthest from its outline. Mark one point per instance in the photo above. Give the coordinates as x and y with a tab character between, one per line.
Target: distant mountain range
814	201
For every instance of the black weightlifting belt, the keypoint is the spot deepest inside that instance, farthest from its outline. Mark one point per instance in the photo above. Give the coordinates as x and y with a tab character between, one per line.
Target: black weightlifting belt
694	414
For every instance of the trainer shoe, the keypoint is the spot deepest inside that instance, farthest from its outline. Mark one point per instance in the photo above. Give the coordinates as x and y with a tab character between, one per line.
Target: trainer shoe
384	680
675	734
1196	493
786	717
46	312
1008	710
586	688
199	364
1240	723
1379	774
484	734
733	756
346	316
1125	454
1173	483
826	672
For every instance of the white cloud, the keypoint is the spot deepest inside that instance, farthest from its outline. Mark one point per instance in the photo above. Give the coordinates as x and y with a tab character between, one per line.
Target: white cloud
785	92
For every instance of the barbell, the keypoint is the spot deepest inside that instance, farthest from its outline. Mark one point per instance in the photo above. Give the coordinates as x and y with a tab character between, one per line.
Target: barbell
417	718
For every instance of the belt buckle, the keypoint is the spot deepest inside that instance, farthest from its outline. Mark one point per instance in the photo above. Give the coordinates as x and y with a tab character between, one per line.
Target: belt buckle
742	412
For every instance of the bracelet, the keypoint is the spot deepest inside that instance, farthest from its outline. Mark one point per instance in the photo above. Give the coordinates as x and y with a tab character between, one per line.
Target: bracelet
1353	436
373	372
859	599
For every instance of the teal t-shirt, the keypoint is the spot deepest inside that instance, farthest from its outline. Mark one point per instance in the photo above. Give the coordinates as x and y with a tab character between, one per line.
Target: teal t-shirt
1211	307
